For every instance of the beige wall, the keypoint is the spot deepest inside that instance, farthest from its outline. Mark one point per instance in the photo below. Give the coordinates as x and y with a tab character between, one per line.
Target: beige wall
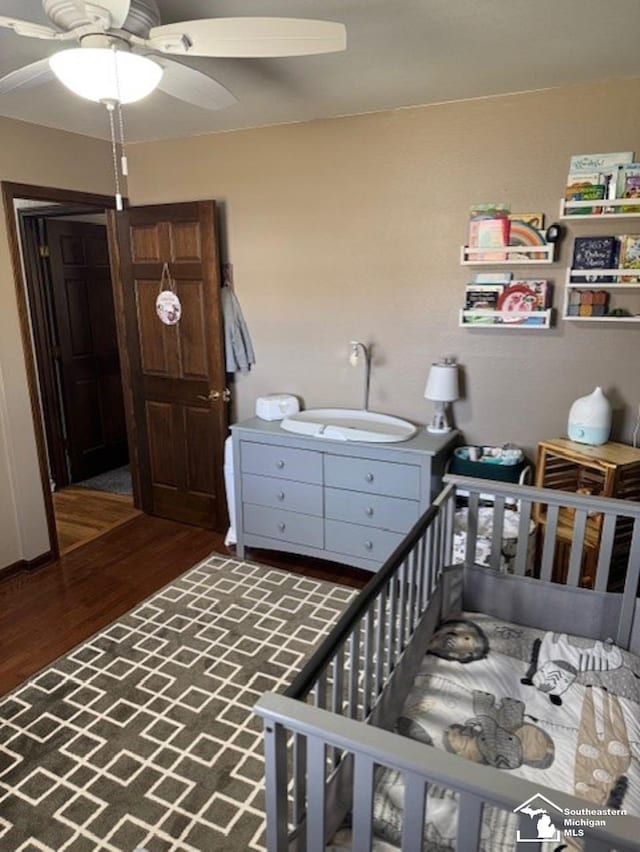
34	155
351	228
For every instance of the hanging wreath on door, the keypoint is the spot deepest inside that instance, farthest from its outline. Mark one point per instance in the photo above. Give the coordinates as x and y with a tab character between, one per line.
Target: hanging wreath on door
168	305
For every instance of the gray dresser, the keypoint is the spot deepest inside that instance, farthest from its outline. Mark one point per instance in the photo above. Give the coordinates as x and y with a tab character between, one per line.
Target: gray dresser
347	502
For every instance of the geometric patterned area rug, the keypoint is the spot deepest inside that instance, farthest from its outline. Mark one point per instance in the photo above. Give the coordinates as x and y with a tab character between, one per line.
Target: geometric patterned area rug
143	737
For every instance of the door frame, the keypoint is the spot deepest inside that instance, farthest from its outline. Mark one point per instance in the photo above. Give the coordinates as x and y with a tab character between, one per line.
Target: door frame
31	225
10	192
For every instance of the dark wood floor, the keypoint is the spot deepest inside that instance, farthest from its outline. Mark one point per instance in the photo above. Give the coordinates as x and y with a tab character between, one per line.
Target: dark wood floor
46	612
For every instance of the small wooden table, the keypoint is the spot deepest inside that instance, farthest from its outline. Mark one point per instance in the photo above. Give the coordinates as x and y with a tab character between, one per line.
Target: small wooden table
610	470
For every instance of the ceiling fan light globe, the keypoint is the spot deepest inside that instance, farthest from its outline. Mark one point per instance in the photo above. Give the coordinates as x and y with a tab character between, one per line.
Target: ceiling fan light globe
102	74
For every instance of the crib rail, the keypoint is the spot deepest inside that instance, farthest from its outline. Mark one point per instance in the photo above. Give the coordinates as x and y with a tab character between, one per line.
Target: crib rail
374	630
598	540
477	786
361	672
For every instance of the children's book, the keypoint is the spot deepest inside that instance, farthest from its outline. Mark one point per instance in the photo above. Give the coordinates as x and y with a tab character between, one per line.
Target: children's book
482	295
630	187
585	186
489	227
492	277
595	253
599	162
630	257
543	291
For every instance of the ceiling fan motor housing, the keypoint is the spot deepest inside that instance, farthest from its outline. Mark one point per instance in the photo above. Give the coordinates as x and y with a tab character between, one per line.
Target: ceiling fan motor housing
65	14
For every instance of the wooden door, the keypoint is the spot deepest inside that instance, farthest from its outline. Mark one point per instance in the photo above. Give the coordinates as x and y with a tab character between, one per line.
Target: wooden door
176	372
87	348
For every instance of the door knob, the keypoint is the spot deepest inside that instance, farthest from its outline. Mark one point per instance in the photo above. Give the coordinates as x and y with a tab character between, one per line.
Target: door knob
215	395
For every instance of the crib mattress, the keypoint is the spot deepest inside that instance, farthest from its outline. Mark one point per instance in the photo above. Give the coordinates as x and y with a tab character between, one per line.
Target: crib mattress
556	709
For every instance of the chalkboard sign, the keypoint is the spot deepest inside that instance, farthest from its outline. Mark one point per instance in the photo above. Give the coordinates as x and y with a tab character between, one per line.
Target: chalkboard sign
595	253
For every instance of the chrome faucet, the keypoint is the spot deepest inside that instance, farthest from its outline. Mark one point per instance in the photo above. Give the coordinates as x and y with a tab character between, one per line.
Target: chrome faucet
354	357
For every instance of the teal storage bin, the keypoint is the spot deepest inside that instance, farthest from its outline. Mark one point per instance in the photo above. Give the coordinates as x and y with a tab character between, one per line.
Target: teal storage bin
462	465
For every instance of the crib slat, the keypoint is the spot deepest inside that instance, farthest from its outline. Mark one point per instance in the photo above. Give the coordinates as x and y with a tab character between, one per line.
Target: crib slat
577	547
415	790
368	662
549	549
402	578
316	771
338	681
338	694
630	588
472	528
495	557
411	613
469	822
362	804
428	550
392	654
275	758
450	510
421	576
437	553
440	520
320	691
523	538
354	670
607	538
299	778
380	637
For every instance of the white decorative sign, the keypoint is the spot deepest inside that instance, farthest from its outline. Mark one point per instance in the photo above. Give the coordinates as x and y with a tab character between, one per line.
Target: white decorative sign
168	307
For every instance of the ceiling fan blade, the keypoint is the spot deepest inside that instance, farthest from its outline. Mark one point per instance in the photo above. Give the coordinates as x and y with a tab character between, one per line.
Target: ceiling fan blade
249	37
192	86
118	10
25	78
26	28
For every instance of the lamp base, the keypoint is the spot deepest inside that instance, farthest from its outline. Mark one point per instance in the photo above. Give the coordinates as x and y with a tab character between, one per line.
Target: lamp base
439	422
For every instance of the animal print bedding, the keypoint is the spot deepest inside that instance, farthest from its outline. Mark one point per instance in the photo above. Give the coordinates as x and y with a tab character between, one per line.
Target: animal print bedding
558	710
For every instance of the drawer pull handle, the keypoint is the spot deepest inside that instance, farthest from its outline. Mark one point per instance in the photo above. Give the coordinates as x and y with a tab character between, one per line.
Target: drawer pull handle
280	464
282	527
368	545
368	511
369	477
280	495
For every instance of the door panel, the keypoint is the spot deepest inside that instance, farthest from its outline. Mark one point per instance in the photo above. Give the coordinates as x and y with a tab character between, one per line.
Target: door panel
88	351
180	427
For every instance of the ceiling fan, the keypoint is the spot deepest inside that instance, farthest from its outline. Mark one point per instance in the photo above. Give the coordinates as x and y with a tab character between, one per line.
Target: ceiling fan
125	52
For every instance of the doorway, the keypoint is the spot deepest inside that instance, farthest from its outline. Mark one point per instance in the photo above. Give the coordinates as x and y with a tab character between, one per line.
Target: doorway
67	273
172	376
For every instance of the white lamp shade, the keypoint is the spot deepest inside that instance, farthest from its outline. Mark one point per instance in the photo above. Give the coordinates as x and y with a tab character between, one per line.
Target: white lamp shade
442	384
103	74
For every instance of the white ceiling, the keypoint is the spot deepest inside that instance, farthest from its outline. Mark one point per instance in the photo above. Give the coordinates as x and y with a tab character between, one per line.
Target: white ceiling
400	53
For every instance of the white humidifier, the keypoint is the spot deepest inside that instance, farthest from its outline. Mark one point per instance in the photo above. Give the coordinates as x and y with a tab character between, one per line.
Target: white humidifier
590	419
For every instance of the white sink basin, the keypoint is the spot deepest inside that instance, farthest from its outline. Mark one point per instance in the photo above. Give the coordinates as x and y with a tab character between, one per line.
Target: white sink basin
346	424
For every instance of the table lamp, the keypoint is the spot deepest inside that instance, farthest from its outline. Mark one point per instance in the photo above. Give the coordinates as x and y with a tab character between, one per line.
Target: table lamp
441	388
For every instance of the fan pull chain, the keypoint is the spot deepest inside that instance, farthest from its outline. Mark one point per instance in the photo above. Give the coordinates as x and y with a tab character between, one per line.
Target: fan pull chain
124	165
123	159
114	152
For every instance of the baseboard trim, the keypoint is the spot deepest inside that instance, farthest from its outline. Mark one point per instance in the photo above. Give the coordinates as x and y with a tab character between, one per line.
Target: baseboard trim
27	564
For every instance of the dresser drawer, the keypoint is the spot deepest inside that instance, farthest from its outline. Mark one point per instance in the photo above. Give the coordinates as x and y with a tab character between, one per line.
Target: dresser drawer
373	477
282	462
283	525
357	540
387	513
302	497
